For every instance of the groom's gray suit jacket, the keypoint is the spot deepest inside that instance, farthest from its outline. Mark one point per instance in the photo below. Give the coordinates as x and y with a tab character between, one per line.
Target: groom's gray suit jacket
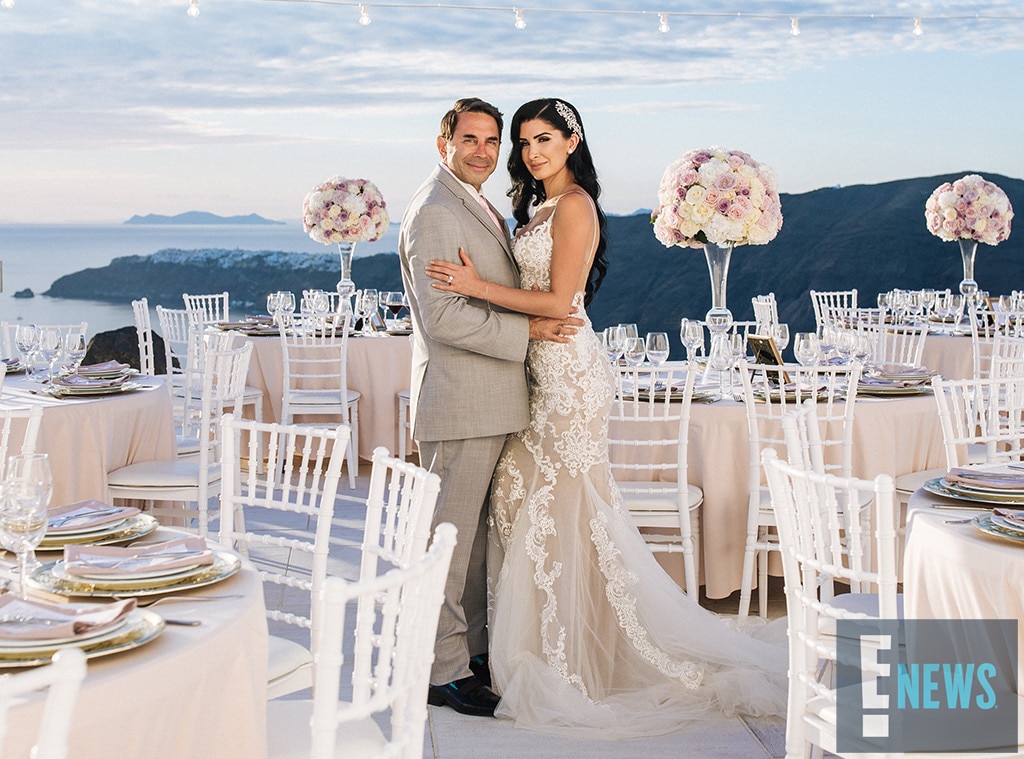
468	373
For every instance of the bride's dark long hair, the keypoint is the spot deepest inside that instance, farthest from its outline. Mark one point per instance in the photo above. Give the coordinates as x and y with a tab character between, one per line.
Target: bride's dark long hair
527	193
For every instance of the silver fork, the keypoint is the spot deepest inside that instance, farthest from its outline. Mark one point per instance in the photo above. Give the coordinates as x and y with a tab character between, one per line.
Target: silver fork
144	602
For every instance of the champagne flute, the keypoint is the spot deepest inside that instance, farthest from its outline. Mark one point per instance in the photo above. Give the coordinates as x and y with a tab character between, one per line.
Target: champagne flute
806	348
657	347
634	351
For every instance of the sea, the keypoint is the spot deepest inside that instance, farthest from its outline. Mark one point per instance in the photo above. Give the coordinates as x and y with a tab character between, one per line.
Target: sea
33	256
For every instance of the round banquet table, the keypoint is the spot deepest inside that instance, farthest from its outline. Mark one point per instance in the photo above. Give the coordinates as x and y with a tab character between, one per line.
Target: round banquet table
378	368
892	436
191	692
951	570
952	356
85	438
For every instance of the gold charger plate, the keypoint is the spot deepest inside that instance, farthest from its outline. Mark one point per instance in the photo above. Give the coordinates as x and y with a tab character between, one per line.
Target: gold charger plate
141	627
225	564
120	532
984	523
883	391
939	486
92	392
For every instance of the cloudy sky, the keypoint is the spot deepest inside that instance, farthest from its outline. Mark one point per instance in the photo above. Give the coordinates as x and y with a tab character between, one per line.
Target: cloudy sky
110	108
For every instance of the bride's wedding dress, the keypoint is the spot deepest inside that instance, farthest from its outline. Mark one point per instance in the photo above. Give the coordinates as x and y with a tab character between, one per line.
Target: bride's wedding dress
589	636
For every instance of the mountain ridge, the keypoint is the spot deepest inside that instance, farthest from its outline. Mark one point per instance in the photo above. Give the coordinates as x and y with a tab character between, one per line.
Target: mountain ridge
199	217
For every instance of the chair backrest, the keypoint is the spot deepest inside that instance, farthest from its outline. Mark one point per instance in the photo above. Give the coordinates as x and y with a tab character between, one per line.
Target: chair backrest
898	345
11	433
766	311
986	413
824	525
314	357
62	679
770	392
826	301
144	331
1007	357
207	309
395	622
259	503
399	510
988	324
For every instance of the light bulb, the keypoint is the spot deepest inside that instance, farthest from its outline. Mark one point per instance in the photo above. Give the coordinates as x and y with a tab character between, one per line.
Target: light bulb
193	8
794	27
918	31
520	21
663	23
364	16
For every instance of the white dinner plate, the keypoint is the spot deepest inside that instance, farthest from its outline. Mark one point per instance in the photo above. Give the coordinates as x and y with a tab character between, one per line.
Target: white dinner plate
94	636
141	626
984	523
112	534
890	391
91	392
939	486
225	564
60	571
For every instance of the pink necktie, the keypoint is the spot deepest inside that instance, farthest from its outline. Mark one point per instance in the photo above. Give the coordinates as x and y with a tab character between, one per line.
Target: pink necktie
484	205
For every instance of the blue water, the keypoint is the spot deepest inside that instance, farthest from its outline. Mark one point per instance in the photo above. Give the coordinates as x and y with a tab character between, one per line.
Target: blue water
34	255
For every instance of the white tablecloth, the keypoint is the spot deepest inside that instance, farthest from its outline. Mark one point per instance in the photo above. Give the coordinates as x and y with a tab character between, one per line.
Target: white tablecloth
86	438
378	367
192	692
950	355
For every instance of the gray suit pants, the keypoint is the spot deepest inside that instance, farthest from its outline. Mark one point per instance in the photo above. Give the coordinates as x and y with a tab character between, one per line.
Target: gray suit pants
465	468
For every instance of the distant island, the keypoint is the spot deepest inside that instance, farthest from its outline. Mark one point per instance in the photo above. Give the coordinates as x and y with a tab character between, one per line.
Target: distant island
200	217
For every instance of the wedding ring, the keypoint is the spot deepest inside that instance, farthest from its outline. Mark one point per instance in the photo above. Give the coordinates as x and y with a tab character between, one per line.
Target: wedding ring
450	279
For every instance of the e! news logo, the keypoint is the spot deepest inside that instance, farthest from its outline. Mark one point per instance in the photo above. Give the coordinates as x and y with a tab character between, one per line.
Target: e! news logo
926	685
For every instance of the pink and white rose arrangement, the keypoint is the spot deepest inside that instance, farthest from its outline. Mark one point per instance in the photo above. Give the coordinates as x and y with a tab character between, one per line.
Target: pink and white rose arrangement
720	196
345	210
971	208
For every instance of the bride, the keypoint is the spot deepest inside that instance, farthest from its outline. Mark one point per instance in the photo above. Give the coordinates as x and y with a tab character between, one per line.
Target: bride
588	636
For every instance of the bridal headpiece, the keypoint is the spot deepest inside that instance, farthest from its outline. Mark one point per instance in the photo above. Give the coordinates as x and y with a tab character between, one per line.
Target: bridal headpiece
570	118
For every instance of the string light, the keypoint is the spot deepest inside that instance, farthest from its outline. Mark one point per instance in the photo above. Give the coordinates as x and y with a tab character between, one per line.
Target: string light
794	27
520	21
663	23
364	16
193	8
918	31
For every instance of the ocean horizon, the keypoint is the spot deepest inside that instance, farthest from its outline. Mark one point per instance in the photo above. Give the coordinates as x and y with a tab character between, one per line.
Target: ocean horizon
33	256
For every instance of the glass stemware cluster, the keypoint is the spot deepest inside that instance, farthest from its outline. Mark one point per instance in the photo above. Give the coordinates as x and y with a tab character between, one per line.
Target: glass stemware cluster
24	498
623	342
280	305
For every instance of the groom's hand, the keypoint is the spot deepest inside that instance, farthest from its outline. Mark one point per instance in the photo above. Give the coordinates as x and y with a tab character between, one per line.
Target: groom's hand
554	330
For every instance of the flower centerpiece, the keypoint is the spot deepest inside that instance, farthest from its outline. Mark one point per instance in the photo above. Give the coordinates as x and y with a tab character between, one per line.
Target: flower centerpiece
969	210
715	199
345	211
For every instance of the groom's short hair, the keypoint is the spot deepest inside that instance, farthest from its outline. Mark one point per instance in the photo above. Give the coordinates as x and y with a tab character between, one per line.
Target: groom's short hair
468	105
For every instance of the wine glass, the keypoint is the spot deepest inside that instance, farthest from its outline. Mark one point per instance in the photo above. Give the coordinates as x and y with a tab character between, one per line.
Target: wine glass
23	509
806	348
368	309
274	305
634	351
26	336
394	301
630	330
691	333
657	347
49	347
738	349
74	352
780	334
827	337
612	339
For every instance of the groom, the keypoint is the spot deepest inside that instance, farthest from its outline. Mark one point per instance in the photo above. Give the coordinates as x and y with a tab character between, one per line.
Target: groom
468	380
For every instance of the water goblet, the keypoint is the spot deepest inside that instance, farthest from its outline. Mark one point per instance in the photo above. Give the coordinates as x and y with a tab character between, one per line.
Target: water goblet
49	348
827	337
29	489
612	339
74	352
780	334
928	300
806	348
846	343
274	305
630	330
26	336
634	351
691	332
657	347
368	310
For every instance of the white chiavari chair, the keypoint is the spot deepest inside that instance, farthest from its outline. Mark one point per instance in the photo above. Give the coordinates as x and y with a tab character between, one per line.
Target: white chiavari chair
986	325
144	332
61	679
395	617
766	312
193	480
647	449
12	439
279	515
826	301
897	345
314	353
208	309
770	392
982	420
1007	357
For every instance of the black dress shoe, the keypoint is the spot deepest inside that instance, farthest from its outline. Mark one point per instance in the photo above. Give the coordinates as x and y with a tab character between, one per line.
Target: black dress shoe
466	696
481	667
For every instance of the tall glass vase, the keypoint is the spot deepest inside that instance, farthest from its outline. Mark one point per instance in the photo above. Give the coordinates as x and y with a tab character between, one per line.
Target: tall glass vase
346	287
968	286
719	318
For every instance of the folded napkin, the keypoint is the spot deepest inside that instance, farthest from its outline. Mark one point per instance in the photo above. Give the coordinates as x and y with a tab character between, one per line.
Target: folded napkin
879	381
107	367
83	515
111	561
897	370
22	619
1013	517
81	381
986	479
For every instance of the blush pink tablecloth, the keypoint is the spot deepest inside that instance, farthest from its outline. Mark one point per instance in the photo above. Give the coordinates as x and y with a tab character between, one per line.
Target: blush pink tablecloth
85	438
950	355
192	692
378	368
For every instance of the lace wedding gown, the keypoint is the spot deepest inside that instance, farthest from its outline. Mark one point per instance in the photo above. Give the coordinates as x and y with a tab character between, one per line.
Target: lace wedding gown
589	636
